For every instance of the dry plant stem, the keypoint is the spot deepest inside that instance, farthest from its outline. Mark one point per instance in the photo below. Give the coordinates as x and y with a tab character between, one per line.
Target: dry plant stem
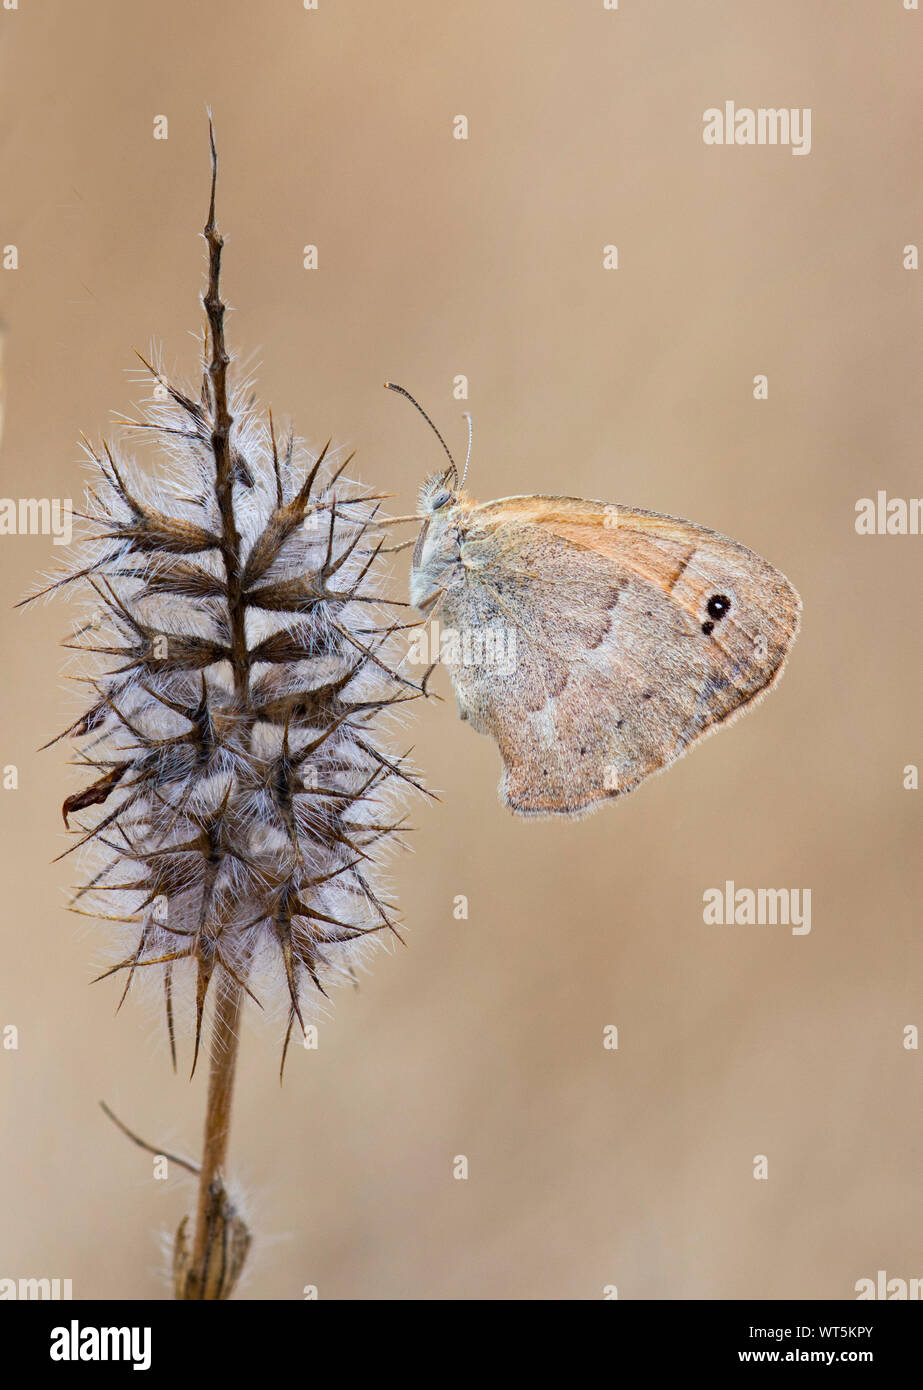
224	1043
225	1025
221	440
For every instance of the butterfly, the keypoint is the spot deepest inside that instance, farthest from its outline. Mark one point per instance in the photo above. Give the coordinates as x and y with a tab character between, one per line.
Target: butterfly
594	643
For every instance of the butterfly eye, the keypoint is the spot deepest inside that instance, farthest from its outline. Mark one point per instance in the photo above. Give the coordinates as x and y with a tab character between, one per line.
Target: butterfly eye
440	499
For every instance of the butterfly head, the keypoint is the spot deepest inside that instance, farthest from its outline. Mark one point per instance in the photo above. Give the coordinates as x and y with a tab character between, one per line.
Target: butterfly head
435	567
439	492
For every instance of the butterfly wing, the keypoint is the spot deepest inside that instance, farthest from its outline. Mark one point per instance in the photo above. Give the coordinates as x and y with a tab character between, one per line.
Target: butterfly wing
605	641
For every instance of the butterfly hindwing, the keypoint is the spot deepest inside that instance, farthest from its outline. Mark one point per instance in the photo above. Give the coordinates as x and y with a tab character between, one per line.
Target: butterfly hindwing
607	641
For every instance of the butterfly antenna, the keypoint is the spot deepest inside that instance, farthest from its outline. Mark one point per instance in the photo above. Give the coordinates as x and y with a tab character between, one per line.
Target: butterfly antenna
402	392
468	455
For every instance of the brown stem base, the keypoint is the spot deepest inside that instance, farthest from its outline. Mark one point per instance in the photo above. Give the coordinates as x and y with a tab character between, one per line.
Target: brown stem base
211	1267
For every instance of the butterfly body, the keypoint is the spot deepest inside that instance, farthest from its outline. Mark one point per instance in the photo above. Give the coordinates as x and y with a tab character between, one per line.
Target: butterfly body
605	640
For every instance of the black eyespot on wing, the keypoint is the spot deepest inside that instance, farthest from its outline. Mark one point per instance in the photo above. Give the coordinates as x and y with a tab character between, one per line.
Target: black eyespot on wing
708	628
718	606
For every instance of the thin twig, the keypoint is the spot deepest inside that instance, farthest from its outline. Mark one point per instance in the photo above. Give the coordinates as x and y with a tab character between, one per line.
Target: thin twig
150	1148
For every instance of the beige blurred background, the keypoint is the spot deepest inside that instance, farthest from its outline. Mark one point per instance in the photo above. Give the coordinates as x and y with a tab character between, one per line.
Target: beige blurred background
441	257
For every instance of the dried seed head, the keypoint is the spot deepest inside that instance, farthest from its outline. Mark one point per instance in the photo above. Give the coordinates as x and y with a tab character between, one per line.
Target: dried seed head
239	653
